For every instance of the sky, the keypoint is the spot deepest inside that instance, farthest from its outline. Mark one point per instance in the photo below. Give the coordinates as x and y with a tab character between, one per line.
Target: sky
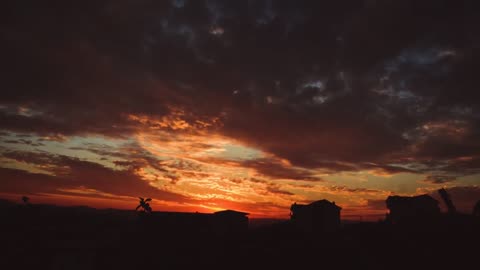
207	105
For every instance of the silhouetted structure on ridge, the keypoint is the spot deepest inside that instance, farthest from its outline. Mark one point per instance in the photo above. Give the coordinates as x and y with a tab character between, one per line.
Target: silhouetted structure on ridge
448	202
230	221
320	216
404	208
226	221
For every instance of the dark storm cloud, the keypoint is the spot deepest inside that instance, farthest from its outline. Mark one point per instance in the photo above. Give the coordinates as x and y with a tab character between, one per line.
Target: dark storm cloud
353	190
439	179
19	181
129	156
30	157
280	171
24	142
338	85
71	173
273	188
268	167
443	171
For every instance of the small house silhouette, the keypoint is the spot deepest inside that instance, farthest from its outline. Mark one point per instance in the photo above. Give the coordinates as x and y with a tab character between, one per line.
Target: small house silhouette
318	216
407	209
230	221
226	221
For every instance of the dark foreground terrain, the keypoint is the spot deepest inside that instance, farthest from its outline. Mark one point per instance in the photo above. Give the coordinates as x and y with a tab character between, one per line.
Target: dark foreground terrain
47	237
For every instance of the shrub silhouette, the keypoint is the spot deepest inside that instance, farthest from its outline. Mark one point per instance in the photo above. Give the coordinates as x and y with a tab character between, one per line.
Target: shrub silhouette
25	200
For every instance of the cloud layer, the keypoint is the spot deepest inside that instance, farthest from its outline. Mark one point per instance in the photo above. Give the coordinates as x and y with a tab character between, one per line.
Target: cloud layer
305	89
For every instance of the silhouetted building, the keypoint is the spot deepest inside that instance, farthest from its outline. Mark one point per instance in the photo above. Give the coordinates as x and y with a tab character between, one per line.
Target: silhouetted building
411	208
219	222
321	216
230	221
181	221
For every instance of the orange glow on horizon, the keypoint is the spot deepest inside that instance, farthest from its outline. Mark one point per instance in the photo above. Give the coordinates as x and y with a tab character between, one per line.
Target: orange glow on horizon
130	204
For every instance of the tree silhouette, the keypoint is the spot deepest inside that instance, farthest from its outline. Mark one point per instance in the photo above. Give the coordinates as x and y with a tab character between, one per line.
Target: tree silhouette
25	199
144	205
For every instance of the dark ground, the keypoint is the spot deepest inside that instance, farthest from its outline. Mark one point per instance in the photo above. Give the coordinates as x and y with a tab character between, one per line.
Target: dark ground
47	237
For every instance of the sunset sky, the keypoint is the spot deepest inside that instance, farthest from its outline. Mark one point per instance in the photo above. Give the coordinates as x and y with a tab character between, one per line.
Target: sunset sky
207	105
